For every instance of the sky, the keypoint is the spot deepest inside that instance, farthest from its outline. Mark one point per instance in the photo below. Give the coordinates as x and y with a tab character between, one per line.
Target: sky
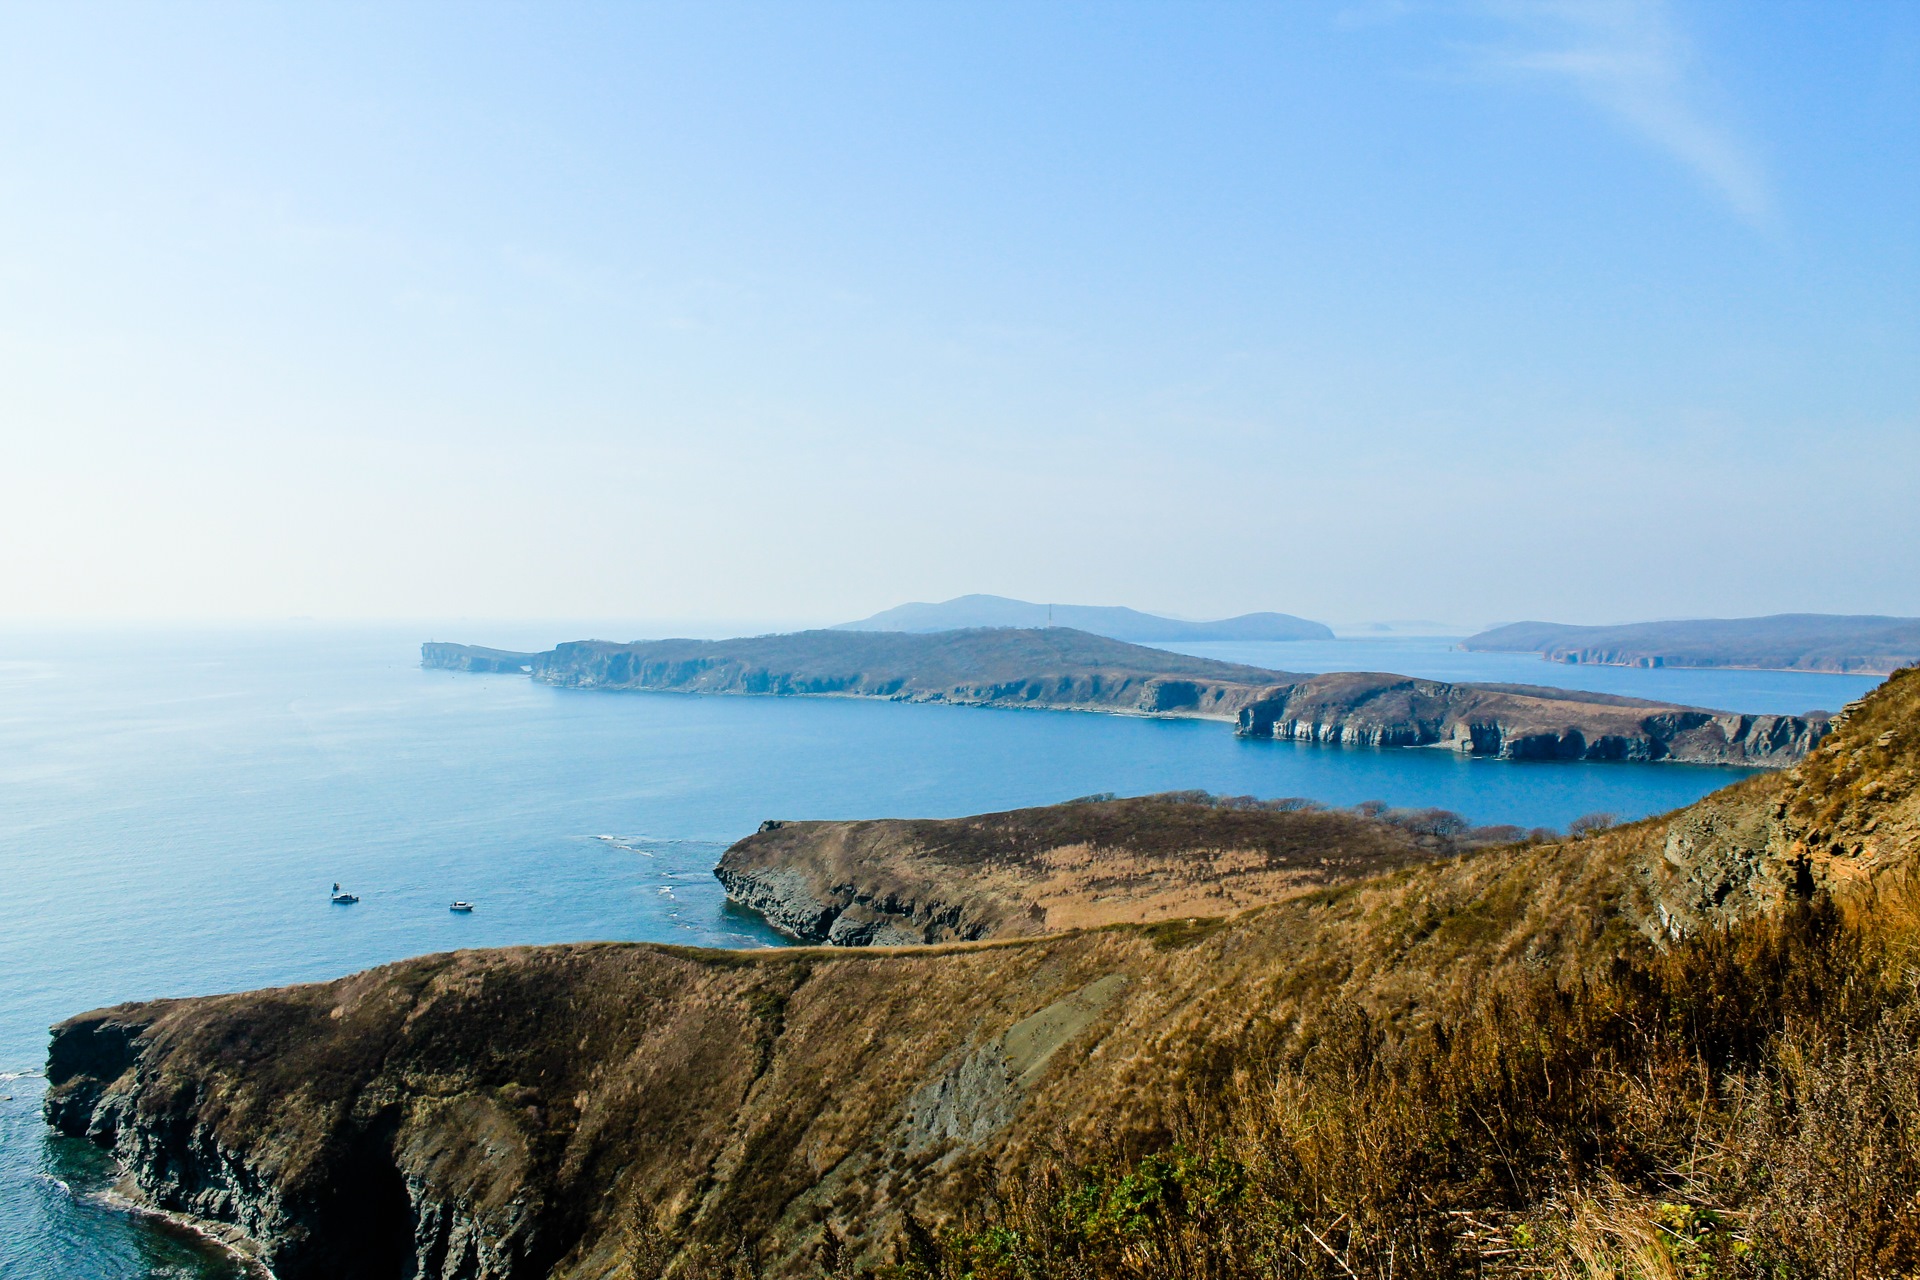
1587	310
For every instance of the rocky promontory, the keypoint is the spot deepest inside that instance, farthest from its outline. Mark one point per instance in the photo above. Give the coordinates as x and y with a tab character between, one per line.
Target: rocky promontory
1087	863
1062	669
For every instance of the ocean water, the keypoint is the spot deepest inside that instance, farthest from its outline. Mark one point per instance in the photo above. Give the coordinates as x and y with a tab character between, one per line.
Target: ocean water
174	806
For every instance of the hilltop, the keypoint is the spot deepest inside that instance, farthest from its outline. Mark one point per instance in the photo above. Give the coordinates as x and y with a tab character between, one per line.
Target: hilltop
1783	642
1112	621
1059	668
1682	1046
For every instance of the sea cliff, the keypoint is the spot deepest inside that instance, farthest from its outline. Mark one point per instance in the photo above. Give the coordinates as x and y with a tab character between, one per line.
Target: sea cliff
1522	722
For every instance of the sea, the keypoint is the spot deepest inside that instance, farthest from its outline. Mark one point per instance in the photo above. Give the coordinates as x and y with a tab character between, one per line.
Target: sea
176	805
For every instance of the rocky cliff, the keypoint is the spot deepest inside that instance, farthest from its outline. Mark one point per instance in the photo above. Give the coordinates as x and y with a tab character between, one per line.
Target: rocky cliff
588	1111
1086	864
1522	722
1062	669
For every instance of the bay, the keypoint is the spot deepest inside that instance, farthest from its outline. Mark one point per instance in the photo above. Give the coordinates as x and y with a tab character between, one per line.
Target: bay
174	805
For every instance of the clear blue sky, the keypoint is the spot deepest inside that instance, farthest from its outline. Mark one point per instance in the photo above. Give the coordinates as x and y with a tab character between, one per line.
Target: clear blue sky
1472	311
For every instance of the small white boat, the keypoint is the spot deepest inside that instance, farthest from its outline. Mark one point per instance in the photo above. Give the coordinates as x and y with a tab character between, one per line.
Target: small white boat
461	905
343	898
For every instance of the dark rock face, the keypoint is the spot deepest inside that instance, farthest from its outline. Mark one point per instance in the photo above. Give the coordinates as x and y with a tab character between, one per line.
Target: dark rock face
1521	722
360	1212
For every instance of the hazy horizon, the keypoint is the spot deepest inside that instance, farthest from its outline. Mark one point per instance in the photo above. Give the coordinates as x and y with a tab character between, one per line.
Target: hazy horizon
787	314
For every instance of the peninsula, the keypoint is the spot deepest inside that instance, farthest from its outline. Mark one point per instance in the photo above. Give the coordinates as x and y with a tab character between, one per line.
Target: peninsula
1860	644
1058	668
1413	1064
1088	863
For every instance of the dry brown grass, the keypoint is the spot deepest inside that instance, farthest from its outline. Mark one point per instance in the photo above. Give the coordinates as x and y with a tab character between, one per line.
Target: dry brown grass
1747	1104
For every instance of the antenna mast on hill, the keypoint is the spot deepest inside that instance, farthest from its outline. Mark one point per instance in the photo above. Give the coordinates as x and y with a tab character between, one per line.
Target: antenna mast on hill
1049	613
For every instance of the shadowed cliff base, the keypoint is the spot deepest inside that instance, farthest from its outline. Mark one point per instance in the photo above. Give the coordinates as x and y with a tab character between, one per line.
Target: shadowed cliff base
1066	670
1681	1047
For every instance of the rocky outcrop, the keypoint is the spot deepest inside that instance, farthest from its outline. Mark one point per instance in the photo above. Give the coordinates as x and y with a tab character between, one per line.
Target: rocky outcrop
1522	722
1088	863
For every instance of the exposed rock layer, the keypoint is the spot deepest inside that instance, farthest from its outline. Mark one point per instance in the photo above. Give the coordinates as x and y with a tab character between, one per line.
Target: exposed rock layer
508	1114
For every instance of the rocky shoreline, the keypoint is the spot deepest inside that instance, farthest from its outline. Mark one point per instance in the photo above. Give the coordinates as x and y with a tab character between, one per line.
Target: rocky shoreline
1061	669
1522	722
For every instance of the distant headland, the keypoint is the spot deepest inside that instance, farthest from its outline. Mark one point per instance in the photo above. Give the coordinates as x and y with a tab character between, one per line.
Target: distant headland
1062	669
1860	644
1112	621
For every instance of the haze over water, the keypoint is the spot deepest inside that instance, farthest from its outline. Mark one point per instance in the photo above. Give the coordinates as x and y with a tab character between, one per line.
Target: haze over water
174	806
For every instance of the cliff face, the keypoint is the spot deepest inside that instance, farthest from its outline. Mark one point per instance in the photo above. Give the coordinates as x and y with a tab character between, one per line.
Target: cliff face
1522	722
515	1114
1090	863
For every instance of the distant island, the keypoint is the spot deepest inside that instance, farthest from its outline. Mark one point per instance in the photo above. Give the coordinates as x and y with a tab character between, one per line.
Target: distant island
1862	644
1063	669
1112	621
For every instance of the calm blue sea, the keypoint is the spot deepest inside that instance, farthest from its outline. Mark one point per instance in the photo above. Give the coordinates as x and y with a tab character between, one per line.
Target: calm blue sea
174	806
